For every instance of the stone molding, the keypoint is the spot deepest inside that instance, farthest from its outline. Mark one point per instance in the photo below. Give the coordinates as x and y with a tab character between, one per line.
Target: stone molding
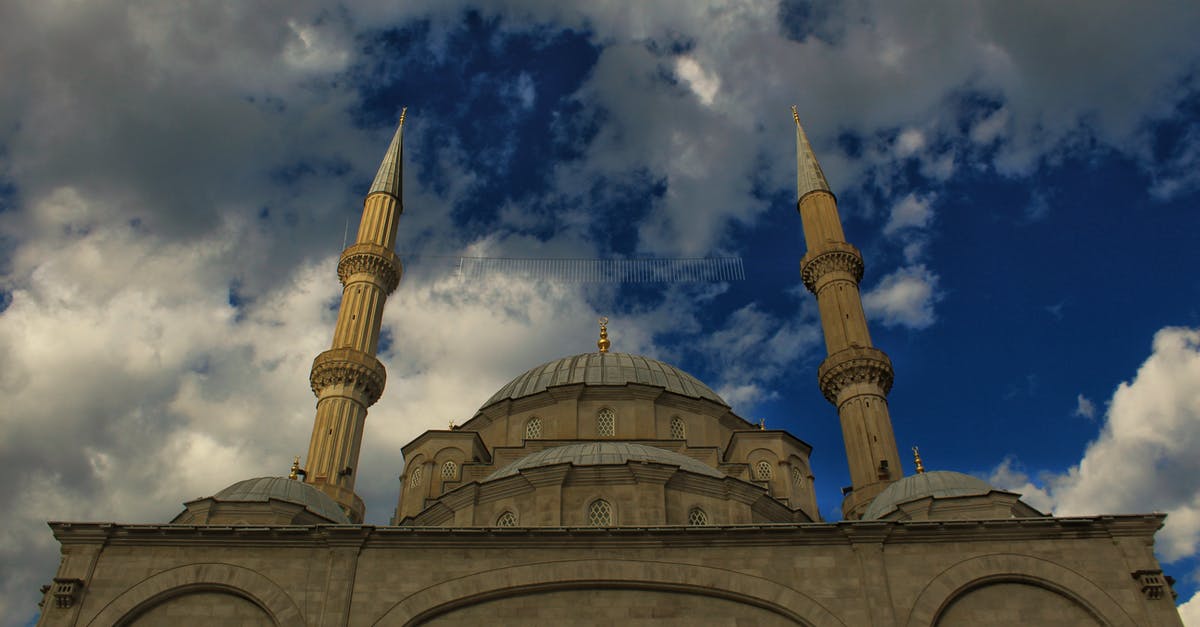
371	259
854	365
609	573
834	257
979	571
346	366
243	582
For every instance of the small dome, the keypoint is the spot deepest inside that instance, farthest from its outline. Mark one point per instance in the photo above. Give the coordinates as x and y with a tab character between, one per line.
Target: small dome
605	453
605	369
284	489
937	484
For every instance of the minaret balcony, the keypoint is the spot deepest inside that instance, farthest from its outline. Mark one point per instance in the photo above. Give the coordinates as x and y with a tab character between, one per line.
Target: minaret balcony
351	369
853	371
380	263
833	257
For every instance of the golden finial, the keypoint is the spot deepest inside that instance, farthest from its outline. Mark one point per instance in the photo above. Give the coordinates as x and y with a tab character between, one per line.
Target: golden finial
452	425
795	115
917	459
603	342
404	111
762	424
295	473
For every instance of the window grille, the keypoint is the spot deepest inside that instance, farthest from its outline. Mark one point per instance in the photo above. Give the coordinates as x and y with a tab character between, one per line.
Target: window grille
763	471
507	519
697	517
797	477
414	479
677	429
533	429
606	423
600	514
449	470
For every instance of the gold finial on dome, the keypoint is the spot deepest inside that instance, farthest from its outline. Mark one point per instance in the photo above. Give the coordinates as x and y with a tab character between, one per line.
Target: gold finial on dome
762	424
917	459
295	473
603	342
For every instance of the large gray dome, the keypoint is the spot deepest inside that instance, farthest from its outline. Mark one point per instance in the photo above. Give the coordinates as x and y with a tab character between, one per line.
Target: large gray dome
603	453
938	484
290	490
605	369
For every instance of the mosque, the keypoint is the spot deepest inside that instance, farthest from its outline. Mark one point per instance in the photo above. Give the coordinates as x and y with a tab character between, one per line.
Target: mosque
608	488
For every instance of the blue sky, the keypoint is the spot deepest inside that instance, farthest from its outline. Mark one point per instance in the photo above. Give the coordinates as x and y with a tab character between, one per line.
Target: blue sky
175	184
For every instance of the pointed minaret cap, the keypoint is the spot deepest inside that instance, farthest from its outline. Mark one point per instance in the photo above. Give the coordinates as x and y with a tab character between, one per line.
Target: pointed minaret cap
809	177
388	179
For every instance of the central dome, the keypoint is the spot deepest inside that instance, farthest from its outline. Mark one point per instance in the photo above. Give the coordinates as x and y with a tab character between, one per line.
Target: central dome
602	454
605	369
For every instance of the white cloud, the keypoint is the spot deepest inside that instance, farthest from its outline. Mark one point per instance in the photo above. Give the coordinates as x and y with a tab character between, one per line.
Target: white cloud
1085	408
904	298
704	84
911	212
909	142
1189	611
1007	476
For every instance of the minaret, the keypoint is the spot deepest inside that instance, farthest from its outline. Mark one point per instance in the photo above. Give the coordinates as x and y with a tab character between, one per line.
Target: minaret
856	376
347	378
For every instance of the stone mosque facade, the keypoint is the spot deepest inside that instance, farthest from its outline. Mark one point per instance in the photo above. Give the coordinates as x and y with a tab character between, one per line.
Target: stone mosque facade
607	488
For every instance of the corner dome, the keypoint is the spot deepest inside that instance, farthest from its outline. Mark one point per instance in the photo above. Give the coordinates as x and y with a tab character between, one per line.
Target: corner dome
604	369
937	484
605	453
284	489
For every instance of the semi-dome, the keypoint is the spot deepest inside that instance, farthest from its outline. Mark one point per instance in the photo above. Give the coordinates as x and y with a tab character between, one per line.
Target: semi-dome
284	489
605	453
937	484
604	369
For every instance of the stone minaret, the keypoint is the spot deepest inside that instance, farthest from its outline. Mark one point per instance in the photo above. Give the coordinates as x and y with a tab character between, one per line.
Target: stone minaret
347	378
856	376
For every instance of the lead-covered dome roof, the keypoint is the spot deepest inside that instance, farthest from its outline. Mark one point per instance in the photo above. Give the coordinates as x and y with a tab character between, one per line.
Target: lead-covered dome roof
284	489
937	484
605	453
605	369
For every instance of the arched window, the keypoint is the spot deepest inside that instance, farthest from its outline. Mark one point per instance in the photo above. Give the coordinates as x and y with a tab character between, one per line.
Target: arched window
797	476
507	519
606	423
600	513
762	471
414	479
678	432
533	428
449	470
697	517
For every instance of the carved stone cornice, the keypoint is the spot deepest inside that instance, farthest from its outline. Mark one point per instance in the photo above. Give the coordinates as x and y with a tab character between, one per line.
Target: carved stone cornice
854	365
346	366
372	259
834	257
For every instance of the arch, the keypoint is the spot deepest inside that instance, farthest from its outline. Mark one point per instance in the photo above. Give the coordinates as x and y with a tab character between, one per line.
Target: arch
606	423
697	517
507	519
533	428
449	470
1008	567
601	513
629	574
248	584
678	428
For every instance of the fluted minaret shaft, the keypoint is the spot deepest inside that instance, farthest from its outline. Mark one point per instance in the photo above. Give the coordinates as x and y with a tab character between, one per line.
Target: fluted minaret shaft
856	377
347	378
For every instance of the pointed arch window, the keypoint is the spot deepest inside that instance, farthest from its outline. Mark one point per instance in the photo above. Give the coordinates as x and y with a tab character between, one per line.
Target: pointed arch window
797	476
678	430
449	470
762	471
600	513
414	479
606	423
533	428
697	517
507	519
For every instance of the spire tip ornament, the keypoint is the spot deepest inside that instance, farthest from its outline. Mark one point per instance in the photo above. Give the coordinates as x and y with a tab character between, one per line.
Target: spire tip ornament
917	460
295	472
603	343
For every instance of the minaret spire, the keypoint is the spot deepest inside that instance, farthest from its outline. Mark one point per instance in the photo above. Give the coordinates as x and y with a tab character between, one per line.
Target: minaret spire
856	377
347	378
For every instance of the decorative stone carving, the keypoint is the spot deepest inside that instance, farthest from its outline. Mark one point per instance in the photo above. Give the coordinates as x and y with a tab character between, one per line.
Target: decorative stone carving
346	366
836	256
372	259
1153	583
856	364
